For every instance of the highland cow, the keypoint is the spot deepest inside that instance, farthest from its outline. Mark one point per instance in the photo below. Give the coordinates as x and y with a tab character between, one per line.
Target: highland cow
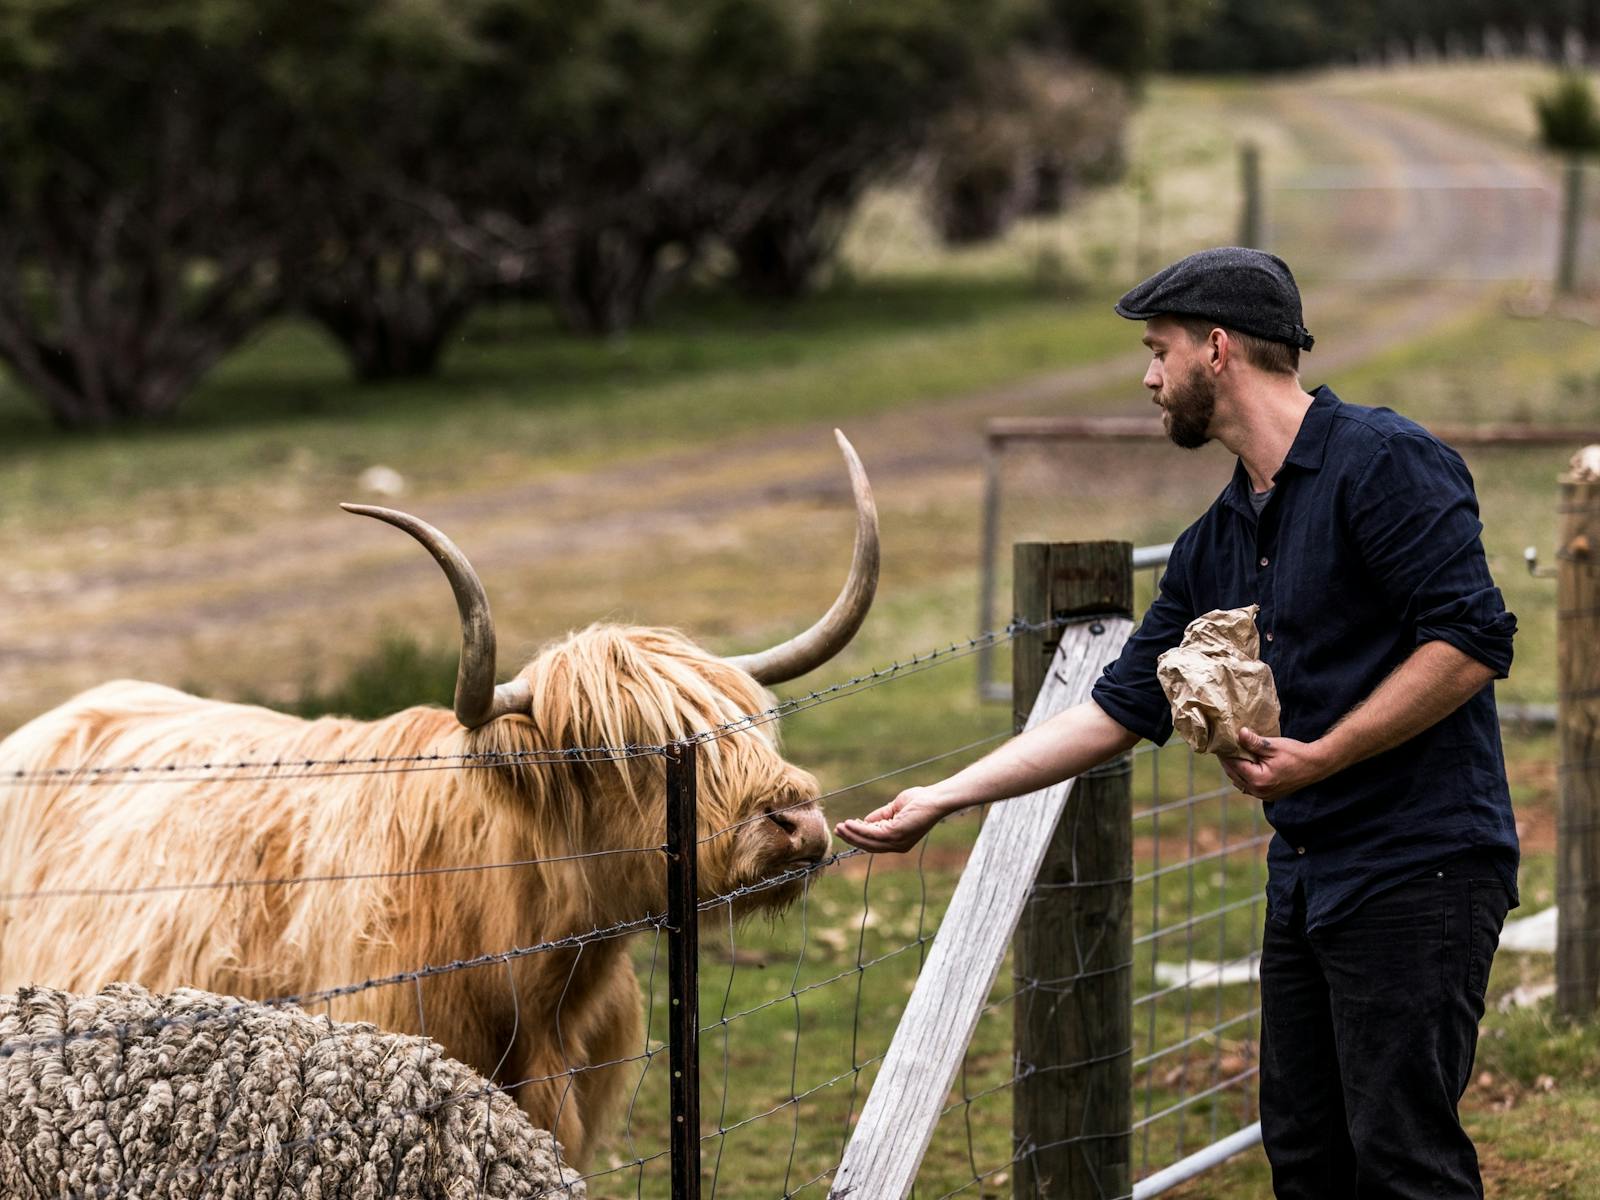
566	835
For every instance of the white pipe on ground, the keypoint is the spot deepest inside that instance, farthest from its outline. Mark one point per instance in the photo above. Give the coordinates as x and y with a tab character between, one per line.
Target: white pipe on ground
1197	1163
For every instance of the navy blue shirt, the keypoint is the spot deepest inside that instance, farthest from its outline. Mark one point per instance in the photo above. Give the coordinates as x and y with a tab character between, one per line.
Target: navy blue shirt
1367	547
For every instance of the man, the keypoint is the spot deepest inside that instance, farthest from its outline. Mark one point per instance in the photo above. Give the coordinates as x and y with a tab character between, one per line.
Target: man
1394	857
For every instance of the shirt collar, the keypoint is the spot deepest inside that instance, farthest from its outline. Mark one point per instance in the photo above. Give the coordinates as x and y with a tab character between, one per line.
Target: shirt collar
1305	452
1315	426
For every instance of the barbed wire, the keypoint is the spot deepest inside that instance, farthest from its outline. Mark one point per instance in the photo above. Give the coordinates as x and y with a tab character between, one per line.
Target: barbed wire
900	668
318	768
655	920
324	995
851	787
93	774
292	880
419	872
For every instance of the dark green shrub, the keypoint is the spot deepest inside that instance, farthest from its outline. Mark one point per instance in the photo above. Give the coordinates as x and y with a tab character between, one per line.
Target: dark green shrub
1569	119
398	673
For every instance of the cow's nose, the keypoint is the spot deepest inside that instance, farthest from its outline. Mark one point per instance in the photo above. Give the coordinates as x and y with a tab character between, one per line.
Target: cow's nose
806	830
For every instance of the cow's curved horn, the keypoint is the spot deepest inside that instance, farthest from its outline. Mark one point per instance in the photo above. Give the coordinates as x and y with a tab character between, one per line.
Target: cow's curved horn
839	624
478	700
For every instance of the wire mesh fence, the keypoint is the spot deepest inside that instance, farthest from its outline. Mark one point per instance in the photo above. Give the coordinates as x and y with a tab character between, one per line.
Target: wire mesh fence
1199	888
798	985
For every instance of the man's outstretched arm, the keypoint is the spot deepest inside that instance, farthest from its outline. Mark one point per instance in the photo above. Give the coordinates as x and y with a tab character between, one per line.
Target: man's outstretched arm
1428	686
1066	745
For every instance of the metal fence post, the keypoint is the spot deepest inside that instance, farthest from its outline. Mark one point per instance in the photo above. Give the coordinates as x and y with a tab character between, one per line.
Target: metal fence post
683	970
1073	951
1578	716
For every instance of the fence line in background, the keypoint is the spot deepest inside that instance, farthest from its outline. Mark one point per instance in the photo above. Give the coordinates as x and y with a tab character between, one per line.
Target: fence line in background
1001	430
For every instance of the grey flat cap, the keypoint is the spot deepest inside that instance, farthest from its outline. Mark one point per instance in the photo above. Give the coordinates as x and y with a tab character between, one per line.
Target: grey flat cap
1248	290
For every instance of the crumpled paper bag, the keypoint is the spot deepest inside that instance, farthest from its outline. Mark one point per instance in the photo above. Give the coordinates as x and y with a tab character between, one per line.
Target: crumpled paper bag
1584	467
1217	684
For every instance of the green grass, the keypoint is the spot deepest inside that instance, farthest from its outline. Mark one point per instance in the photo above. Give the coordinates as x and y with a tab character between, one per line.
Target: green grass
281	421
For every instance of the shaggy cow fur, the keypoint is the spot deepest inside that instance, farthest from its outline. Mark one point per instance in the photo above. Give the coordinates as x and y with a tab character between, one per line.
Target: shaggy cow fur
193	1096
530	1019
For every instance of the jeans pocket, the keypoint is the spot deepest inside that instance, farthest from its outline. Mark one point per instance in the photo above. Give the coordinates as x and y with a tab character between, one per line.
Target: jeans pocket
1389	956
1487	904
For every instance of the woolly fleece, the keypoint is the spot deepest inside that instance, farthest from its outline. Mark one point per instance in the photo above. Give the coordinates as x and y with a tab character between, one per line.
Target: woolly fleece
193	1096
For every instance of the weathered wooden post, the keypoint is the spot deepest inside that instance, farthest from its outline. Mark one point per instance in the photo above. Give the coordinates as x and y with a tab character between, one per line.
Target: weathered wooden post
1571	224
1250	205
1578	716
1072	955
1147	221
993	464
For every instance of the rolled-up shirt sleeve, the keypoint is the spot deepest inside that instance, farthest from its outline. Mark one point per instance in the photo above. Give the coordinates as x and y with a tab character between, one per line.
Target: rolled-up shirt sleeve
1415	519
1128	691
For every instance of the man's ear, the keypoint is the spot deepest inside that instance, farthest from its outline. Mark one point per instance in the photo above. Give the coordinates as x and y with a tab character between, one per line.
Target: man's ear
1218	348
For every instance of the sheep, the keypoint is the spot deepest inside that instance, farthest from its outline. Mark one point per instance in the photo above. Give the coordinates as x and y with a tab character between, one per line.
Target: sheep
195	1096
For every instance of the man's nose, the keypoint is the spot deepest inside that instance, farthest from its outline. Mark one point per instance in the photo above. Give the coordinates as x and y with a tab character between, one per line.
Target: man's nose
1152	378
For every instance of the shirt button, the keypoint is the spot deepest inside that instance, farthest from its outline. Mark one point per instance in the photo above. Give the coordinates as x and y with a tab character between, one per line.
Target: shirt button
1269	635
1263	560
1299	849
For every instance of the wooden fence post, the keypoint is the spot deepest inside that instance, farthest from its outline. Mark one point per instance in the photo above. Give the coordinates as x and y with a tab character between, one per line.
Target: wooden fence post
1250	203
1578	717
1073	951
989	566
1571	223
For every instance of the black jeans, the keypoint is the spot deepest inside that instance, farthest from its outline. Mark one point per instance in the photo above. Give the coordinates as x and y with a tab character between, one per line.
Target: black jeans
1367	1036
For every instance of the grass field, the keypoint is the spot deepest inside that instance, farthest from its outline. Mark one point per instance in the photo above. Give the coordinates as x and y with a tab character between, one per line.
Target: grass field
205	553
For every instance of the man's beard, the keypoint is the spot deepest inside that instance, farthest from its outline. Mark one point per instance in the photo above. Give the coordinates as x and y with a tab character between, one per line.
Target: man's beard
1188	407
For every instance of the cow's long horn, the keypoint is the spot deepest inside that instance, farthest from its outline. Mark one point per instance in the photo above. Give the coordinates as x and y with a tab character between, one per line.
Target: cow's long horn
839	624
478	700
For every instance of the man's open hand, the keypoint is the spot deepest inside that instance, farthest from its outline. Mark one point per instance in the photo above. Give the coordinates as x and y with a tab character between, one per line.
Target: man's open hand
1276	766
897	826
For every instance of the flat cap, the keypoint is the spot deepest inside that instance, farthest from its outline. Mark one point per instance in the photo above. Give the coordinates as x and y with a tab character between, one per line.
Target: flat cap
1248	290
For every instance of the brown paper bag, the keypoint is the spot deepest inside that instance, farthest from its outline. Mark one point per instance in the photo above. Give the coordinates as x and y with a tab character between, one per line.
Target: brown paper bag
1584	467
1217	684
